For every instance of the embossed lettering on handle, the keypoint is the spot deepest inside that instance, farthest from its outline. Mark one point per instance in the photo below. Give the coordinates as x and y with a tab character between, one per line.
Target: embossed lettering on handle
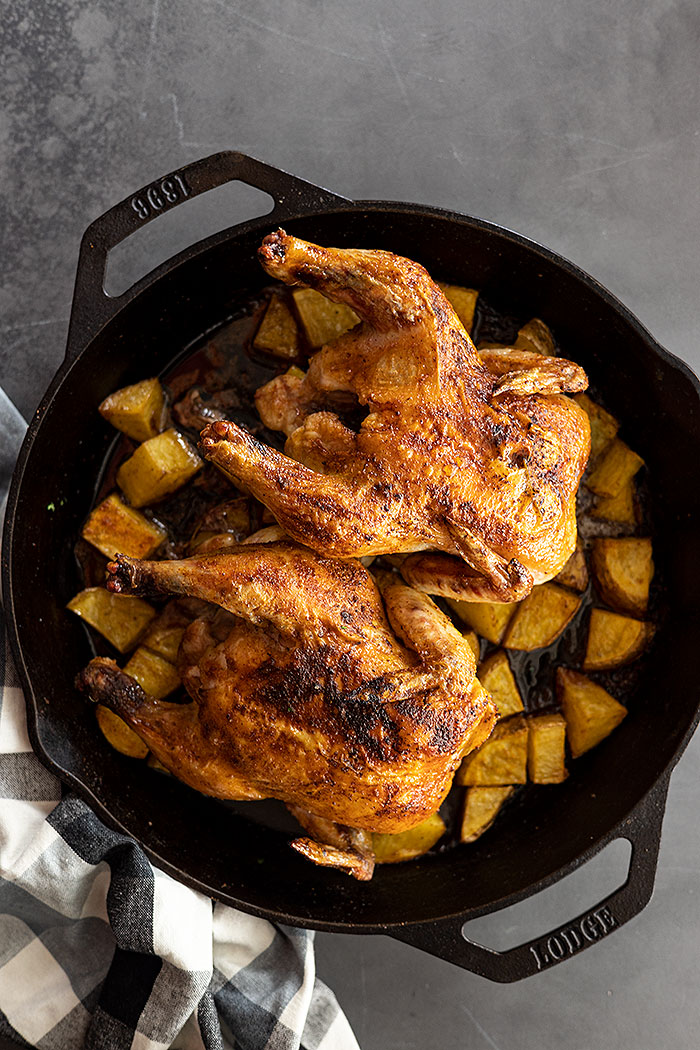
567	940
160	196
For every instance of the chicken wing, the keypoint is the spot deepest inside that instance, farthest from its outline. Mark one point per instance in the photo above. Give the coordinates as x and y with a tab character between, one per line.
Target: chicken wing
473	459
352	705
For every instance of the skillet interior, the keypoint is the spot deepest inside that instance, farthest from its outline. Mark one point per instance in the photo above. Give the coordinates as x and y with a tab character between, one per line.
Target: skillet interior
239	858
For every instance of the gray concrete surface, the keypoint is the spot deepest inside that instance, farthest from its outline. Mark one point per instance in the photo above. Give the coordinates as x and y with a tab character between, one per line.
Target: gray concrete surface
576	124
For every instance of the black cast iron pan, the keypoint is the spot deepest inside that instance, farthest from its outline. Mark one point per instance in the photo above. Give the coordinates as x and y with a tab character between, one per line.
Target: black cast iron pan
618	790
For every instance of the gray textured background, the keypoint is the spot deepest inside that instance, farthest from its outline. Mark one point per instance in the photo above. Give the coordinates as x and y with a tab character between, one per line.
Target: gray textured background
577	124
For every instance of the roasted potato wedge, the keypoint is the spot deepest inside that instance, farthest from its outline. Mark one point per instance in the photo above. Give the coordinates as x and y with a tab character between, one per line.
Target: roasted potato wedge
615	469
155	675
488	619
591	713
621	509
546	746
474	644
536	336
501	760
119	618
463	301
614	640
575	572
406	845
278	333
138	411
497	679
623	570
164	640
119	734
321	319
157	468
481	807
604	427
115	529
541	617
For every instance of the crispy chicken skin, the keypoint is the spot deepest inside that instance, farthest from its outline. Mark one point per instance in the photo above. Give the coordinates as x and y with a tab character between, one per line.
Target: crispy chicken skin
351	702
472	458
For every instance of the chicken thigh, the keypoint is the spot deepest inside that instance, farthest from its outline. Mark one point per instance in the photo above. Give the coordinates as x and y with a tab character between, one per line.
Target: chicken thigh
352	705
467	463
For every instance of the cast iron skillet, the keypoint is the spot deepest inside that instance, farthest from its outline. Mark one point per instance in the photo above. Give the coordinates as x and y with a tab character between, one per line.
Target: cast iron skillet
232	853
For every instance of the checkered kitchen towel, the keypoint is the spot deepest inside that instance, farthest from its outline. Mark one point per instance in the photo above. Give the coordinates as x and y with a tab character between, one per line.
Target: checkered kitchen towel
99	949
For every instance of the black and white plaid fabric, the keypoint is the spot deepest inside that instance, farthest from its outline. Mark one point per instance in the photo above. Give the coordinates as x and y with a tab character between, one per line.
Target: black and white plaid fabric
99	949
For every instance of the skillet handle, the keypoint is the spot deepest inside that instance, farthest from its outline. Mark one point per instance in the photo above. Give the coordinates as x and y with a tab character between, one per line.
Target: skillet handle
93	308
448	941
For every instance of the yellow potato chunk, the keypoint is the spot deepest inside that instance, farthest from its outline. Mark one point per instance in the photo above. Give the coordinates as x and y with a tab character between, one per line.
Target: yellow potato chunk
620	508
502	759
119	618
616	468
164	639
154	674
575	572
497	679
157	468
463	301
115	529
546	744
278	332
391	849
488	619
481	807
591	713
321	319
614	640
541	617
536	337
472	641
623	569
604	427
119	734
138	410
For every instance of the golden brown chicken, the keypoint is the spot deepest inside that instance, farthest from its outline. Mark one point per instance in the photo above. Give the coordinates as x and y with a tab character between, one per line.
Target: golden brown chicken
304	693
473	459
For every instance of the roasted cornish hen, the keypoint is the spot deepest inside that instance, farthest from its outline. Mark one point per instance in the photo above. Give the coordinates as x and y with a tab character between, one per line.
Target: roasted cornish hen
471	459
350	702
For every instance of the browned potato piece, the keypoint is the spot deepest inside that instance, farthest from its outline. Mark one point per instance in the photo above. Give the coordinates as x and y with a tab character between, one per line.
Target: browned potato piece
321	319
153	762
604	427
481	807
620	508
119	734
497	679
391	849
575	572
155	675
501	760
157	468
115	529
545	749
488	619
120	618
541	617
591	713
164	639
614	640
278	332
615	469
536	336
138	410
623	569
463	301
472	641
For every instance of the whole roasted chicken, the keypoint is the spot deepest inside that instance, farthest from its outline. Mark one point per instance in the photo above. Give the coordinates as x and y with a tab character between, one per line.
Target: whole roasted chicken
466	462
352	706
